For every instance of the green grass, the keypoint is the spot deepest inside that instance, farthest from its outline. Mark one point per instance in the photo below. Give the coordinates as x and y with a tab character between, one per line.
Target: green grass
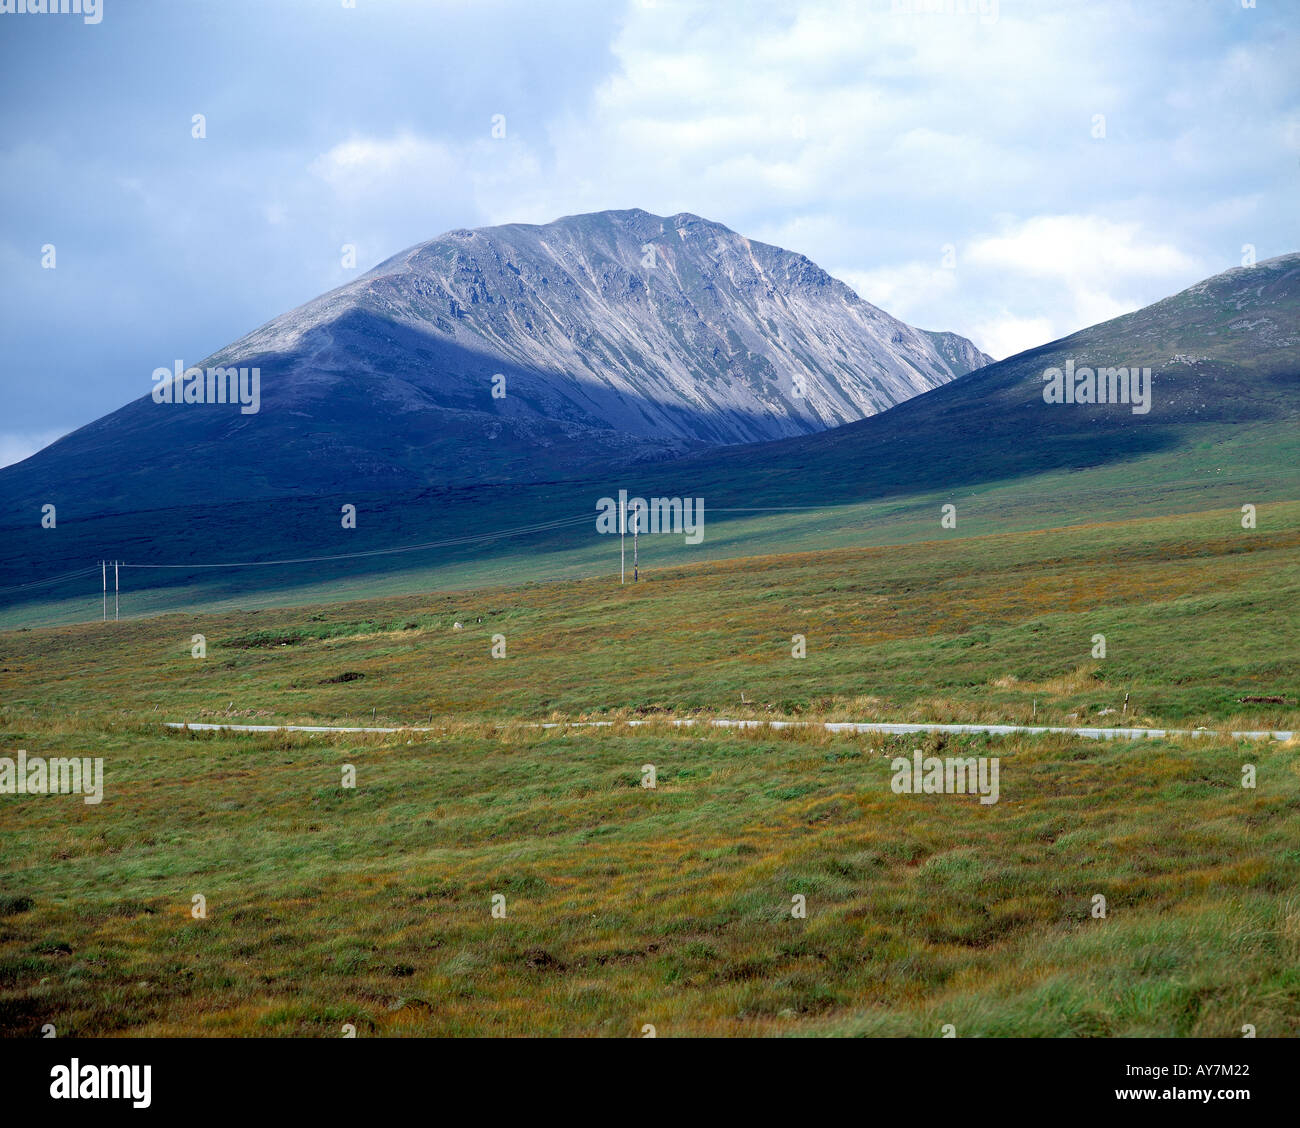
628	906
1197	613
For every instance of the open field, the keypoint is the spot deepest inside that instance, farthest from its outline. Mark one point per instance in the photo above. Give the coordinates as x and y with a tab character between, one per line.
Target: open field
1196	612
672	906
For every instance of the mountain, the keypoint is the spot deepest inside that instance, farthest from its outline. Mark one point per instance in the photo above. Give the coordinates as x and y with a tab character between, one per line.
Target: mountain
962	356
611	339
1223	430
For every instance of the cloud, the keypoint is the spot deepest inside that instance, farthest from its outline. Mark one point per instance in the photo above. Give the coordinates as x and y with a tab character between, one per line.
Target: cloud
1083	269
1031	281
385	190
1084	249
1008	334
904	291
361	164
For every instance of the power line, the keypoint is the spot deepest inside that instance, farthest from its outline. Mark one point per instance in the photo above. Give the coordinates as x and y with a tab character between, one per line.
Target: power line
545	526
49	580
523	530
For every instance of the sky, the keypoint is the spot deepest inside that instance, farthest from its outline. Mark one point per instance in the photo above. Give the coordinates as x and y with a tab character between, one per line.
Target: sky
1012	170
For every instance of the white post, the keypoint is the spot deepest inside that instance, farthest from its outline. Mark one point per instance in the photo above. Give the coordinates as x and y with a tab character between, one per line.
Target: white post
103	567
116	587
622	540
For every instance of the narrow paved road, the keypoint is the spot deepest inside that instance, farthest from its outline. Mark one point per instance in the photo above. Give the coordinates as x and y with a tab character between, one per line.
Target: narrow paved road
831	726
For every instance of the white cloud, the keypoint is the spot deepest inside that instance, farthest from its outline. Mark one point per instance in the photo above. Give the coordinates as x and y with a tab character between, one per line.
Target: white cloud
1080	269
1079	248
902	291
1007	335
384	191
360	163
1031	281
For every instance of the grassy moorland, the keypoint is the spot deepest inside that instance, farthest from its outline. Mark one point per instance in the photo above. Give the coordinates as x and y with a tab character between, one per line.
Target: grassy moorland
1197	613
626	906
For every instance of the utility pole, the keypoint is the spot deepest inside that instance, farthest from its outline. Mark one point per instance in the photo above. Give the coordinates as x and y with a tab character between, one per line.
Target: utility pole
103	570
